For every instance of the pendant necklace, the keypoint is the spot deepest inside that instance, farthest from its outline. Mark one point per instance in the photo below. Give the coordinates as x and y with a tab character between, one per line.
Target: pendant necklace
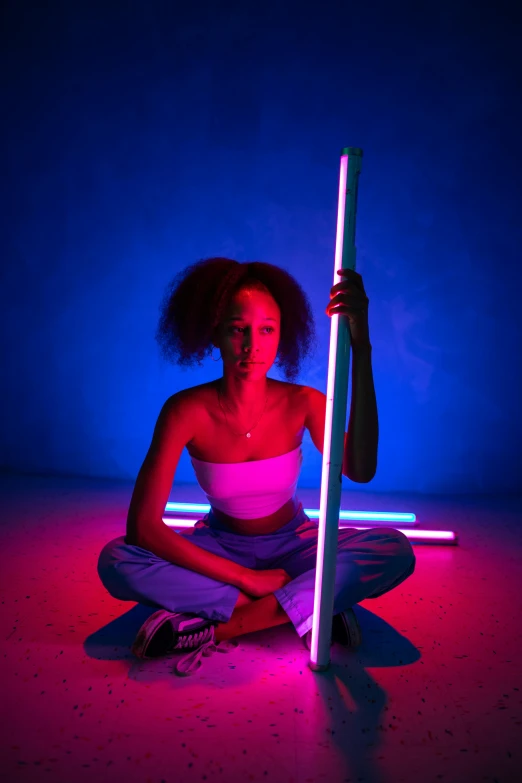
249	433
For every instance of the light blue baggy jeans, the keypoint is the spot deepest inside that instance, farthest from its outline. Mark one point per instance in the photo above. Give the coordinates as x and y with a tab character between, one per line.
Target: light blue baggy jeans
369	563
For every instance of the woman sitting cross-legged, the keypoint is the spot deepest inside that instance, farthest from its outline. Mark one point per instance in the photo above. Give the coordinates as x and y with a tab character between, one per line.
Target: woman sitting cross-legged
250	563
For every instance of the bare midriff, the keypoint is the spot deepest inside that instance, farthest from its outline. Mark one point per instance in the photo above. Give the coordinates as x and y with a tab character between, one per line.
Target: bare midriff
280	432
263	525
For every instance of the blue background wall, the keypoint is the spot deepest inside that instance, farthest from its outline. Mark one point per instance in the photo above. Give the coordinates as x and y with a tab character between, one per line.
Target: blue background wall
142	136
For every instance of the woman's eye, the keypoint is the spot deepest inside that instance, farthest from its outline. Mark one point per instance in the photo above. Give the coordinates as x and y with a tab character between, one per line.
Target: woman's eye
240	328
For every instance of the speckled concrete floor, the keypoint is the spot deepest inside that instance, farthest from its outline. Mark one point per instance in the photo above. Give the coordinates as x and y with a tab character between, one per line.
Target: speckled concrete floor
432	695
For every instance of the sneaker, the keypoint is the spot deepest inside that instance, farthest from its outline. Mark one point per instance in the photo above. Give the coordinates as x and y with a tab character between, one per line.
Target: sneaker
168	632
345	631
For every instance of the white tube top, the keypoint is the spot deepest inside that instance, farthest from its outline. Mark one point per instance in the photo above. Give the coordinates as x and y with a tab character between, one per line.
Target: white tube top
250	490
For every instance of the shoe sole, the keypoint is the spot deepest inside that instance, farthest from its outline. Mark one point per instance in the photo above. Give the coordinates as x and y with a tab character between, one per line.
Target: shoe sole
147	631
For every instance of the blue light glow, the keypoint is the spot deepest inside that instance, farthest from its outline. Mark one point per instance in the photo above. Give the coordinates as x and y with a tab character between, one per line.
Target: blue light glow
312	513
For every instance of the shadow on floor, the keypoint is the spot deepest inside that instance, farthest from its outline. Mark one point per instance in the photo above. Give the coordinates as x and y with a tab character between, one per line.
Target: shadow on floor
382	644
349	704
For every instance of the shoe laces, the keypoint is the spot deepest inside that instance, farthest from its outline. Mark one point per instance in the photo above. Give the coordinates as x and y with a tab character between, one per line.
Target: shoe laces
191	640
201	644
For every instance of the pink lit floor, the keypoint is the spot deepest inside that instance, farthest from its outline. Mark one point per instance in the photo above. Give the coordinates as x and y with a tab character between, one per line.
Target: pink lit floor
434	693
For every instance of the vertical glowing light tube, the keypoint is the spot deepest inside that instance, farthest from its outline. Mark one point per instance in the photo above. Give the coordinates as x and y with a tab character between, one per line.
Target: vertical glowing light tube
337	394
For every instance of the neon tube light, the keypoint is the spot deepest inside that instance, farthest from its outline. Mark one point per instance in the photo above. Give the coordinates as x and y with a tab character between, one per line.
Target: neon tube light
335	416
418	535
312	513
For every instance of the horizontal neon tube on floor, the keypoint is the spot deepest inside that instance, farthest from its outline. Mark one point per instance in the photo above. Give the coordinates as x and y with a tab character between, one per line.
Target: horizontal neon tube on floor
417	535
312	513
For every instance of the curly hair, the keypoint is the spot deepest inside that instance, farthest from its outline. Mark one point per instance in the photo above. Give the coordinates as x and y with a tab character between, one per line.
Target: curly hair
197	298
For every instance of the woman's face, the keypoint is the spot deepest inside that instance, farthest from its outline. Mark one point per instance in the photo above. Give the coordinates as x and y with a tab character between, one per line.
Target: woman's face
249	333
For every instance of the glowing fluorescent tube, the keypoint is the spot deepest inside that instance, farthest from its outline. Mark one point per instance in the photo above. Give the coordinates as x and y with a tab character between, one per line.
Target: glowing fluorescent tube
335	419
312	513
415	536
179	522
190	508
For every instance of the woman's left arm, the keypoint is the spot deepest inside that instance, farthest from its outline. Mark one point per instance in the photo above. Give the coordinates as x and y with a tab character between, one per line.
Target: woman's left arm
362	438
349	298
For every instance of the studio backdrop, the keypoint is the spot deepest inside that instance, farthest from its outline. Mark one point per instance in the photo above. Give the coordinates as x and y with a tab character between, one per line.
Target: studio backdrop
142	137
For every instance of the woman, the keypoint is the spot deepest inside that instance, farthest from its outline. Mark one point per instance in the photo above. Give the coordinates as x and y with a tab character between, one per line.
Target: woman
250	563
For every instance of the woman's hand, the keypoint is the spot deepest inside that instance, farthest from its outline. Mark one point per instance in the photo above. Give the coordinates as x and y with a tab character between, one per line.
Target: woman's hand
258	584
349	298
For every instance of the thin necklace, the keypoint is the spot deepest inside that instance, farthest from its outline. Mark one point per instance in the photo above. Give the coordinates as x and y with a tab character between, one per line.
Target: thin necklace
248	434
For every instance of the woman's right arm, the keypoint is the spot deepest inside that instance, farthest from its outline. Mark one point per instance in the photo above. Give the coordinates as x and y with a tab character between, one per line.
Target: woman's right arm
145	526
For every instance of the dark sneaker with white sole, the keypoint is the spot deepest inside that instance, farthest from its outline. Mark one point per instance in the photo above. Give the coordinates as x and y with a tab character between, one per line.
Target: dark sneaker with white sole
346	630
166	632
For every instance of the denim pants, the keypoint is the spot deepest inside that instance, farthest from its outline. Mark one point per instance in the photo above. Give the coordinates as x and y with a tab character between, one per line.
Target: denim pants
369	563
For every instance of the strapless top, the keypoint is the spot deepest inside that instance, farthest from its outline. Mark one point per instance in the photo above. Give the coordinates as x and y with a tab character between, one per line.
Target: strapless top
250	490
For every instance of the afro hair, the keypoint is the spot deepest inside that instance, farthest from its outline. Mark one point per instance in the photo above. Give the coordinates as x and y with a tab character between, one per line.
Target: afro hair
197	298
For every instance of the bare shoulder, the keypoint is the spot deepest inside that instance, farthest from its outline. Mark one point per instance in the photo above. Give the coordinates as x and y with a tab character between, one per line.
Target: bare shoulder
187	401
180	410
314	404
308	405
307	395
314	396
294	395
299	399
